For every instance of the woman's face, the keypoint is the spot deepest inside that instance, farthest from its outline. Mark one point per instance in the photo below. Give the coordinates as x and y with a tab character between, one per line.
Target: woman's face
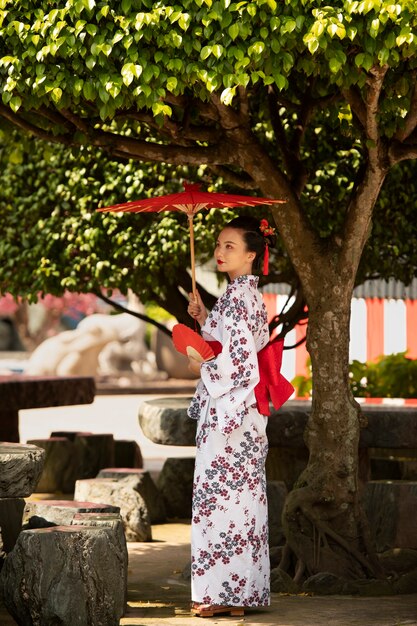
231	254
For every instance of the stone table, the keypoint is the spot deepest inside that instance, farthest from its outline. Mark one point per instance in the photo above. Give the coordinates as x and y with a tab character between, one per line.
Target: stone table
32	392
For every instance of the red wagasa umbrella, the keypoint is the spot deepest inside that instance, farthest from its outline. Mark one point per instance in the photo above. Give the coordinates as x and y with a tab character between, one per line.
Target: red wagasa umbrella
189	201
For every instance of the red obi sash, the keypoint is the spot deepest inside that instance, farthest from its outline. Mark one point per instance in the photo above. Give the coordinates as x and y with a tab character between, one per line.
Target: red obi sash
272	386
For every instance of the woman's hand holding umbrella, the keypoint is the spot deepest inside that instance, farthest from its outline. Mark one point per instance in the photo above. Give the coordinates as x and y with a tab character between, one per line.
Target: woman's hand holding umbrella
196	308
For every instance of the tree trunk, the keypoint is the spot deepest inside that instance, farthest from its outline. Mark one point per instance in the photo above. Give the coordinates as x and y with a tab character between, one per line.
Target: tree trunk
323	520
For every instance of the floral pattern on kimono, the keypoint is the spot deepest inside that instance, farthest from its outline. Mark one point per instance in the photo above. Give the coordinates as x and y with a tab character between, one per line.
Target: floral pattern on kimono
230	556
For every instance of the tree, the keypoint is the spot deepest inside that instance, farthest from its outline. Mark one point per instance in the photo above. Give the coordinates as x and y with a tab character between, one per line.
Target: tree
285	98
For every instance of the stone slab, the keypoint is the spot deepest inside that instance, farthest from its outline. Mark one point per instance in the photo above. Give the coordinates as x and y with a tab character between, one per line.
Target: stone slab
44	513
123	494
31	392
20	469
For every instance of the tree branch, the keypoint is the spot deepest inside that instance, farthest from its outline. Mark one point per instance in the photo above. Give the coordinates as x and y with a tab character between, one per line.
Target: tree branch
410	120
26	126
238	180
374	82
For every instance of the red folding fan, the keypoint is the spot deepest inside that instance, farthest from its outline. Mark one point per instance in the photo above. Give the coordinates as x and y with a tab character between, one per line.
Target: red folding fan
190	343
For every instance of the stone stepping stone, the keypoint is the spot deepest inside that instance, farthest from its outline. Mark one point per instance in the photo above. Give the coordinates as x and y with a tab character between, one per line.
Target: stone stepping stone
45	513
175	482
67	575
58	474
20	469
123	494
127	453
145	486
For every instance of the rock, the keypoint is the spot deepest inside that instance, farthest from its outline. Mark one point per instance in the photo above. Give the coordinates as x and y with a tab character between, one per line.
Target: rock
407	583
114	522
399	560
281	582
323	584
175	482
58	474
145	486
11	516
276	493
165	421
71	575
390	507
124	495
127	454
368	588
93	452
45	513
20	469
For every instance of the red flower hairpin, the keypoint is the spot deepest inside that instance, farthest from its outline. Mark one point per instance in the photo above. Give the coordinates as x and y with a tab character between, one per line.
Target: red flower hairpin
266	229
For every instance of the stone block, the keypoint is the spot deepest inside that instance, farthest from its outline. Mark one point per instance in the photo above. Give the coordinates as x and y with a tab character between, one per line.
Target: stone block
71	575
165	421
11	516
45	513
58	474
20	469
175	482
114	522
124	495
127	453
145	486
93	452
391	510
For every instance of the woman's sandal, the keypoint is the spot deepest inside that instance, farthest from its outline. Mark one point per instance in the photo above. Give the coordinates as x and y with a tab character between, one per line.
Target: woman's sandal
209	610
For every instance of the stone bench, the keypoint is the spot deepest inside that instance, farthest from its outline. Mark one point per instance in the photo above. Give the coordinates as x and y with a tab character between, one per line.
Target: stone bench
165	421
390	428
65	575
20	468
33	392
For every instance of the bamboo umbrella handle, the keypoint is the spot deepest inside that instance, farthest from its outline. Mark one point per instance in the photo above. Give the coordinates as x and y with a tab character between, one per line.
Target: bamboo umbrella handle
193	281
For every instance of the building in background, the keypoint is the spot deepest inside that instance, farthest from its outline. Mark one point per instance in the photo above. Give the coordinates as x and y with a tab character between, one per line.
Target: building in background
383	321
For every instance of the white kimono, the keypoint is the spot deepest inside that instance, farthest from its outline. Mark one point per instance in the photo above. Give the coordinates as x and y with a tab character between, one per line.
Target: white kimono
229	537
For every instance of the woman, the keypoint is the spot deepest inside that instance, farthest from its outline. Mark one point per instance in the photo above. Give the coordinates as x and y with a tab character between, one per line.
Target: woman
230	557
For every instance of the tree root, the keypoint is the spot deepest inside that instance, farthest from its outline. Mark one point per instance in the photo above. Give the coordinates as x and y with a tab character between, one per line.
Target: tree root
301	502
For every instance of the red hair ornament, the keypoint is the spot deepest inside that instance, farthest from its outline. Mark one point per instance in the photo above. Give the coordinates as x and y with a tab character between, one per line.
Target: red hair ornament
266	230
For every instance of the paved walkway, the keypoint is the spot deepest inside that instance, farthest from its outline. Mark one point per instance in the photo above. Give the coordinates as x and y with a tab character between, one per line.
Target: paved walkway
159	596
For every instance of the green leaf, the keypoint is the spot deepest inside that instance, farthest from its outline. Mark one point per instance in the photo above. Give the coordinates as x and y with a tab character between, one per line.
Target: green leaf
233	31
172	84
160	108
227	95
15	103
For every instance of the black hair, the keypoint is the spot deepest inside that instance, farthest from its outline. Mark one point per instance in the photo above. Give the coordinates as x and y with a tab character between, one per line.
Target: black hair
255	239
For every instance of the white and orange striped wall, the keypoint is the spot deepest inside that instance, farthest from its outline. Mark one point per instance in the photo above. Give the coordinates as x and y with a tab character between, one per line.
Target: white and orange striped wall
381	324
